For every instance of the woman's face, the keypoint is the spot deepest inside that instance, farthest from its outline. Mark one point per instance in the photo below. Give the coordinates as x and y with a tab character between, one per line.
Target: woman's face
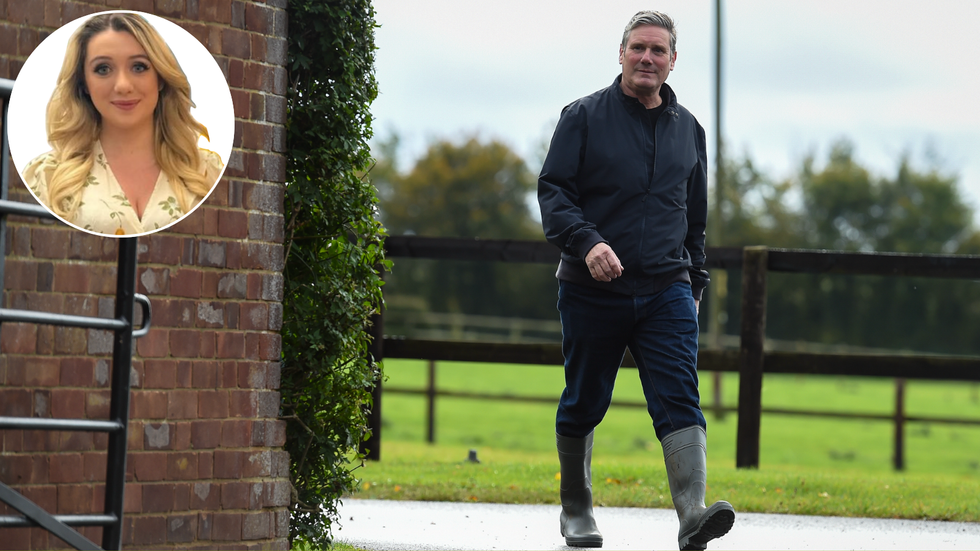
122	83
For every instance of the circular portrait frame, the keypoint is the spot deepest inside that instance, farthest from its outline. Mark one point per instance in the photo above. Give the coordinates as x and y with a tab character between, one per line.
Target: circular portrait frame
210	95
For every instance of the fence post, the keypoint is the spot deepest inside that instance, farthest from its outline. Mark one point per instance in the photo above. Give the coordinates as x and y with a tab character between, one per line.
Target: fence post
430	393
372	446
754	271
898	459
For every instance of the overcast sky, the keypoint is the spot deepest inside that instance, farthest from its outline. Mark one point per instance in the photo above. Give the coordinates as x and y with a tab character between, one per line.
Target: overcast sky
893	76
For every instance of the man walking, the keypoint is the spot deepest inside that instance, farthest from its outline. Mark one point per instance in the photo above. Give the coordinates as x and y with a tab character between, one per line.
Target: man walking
623	193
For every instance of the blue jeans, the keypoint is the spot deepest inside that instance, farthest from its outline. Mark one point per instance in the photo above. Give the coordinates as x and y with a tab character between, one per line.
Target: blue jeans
661	331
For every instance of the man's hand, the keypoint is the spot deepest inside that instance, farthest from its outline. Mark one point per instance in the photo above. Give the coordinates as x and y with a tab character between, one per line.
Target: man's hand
603	263
697	306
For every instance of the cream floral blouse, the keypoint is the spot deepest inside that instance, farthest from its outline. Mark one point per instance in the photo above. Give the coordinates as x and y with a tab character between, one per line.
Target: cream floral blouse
104	208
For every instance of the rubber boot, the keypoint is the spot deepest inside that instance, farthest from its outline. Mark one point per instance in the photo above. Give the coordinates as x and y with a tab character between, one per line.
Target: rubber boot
685	453
577	521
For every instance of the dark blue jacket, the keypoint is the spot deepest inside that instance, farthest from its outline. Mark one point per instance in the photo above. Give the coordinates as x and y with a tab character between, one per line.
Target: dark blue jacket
598	186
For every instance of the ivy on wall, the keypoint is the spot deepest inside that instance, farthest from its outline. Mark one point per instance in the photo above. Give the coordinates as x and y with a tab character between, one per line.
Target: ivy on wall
333	251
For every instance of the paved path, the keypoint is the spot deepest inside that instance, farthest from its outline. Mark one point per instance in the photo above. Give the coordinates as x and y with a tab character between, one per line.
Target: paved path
411	525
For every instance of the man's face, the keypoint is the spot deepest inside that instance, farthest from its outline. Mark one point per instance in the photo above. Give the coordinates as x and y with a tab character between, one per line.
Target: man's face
646	60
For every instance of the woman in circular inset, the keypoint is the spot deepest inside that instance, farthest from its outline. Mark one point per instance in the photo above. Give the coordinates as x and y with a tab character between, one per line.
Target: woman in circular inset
125	156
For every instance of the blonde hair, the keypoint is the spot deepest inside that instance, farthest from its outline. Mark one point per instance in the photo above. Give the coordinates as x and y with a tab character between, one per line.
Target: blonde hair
74	124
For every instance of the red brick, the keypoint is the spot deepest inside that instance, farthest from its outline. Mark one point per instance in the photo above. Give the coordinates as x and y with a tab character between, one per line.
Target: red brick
205	496
212	404
234	495
149	530
50	242
185	283
45	497
228	374
33	370
257	526
214	11
85	278
270	346
97	404
17	538
205	434
181	528
40	441
236	434
182	404
183	376
133	498
182	438
205	465
65	468
233	224
182	497
161	248
75	441
70	340
244	403
85	246
134	438
19	275
17	469
159	373
78	372
158	498
18	338
227	527
257	464
74	498
15	402
67	403
158	436
173	313
239	100
156	344
254	316
235	43
149	404
228	464
230	345
204	374
94	466
254	288
182	466
209	286
149	466
185	343
207	344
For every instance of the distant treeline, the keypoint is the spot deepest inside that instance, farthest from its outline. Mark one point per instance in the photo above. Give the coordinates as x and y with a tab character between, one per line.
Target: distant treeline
475	188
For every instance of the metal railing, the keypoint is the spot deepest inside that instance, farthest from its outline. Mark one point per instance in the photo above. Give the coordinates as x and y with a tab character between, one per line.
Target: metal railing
122	326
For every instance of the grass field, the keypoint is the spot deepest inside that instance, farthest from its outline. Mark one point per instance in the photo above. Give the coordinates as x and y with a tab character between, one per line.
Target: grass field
786	441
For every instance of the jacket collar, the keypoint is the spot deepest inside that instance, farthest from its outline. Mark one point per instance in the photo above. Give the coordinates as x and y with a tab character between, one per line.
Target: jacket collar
634	105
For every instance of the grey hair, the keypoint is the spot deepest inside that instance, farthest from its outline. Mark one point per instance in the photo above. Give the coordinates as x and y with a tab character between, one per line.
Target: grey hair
656	19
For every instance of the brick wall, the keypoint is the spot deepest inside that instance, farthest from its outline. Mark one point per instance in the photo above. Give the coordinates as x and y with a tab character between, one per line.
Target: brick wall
205	467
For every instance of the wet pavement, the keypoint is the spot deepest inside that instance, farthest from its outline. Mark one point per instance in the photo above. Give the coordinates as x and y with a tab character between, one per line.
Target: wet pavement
415	525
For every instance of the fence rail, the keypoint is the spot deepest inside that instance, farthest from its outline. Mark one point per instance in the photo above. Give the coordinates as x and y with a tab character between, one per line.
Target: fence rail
751	361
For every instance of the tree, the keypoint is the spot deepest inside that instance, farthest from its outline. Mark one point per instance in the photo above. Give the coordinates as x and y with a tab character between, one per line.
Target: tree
843	206
333	247
472	188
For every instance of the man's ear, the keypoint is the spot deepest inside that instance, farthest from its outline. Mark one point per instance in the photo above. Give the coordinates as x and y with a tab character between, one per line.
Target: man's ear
620	54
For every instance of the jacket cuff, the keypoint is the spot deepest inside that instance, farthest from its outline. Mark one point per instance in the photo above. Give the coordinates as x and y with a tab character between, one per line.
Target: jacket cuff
585	244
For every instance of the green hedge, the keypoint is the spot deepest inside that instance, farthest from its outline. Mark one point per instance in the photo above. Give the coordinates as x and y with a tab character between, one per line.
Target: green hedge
333	250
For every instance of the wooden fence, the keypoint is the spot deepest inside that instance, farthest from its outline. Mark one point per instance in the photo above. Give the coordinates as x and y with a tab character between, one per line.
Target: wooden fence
750	361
